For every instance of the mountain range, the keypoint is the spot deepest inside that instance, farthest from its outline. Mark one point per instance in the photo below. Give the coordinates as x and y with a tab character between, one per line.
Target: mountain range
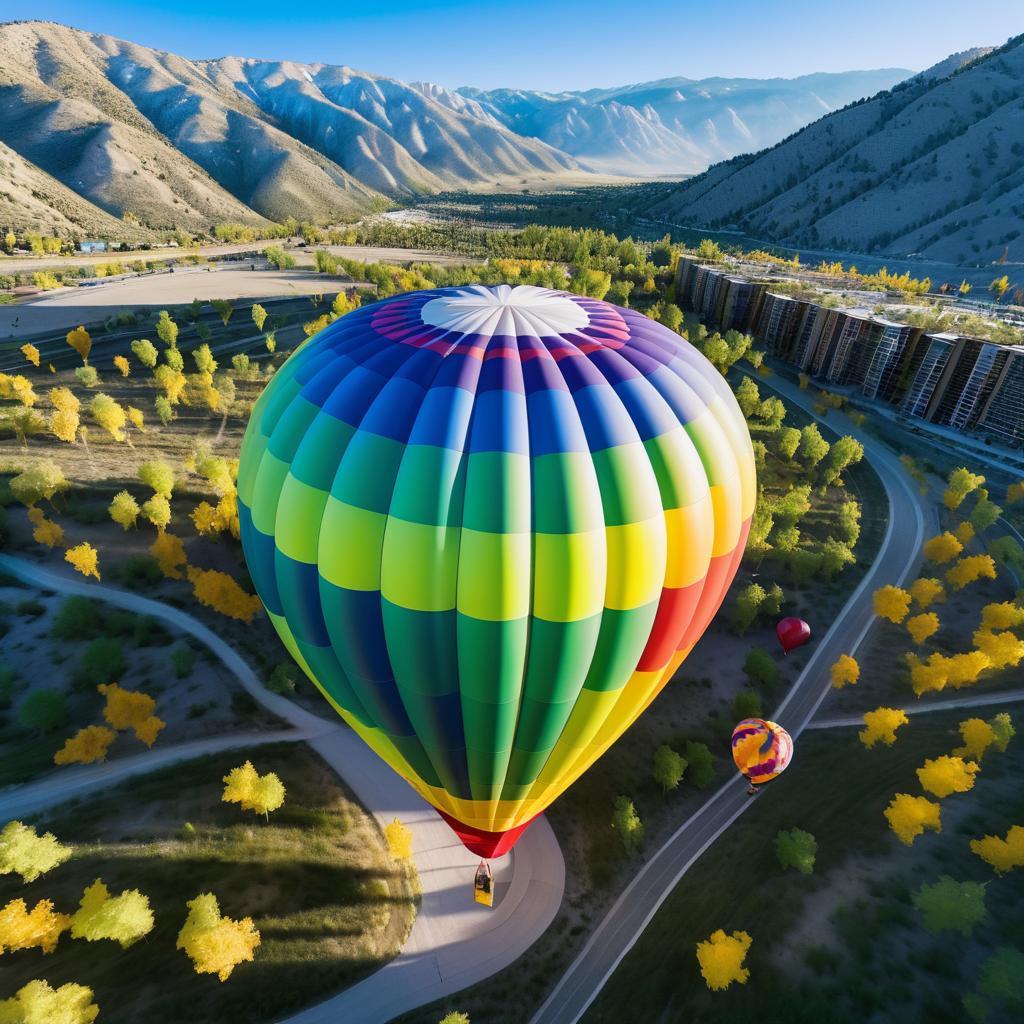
932	167
103	136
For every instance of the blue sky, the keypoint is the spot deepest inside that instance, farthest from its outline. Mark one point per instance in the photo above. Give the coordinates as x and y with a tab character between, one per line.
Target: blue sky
552	44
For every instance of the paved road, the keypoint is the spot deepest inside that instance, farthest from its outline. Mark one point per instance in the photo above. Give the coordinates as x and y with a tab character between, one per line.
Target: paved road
454	942
635	907
976	700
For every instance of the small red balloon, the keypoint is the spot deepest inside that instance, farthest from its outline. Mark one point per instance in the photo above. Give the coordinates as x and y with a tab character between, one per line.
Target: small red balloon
792	633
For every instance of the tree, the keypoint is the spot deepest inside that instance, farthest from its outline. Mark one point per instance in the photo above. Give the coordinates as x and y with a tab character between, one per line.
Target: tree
813	447
159	475
909	816
87	376
999	287
223	308
84	558
124	510
252	791
38	1003
166	329
796	849
216	944
1002	726
760	667
40	482
1003	650
748	396
87	746
721	959
845	671
970	568
881	725
169	553
926	591
1001	987
31	353
921	627
278	258
203	357
148	730
125	918
669	768
1002	615
146	352
125	709
122	365
951	906
399	840
626	822
164	409
978	736
747	704
891	603
945	775
964	532
700	764
1002	854
43	711
846	451
217	590
985	513
748	603
157	509
174	359
454	1018
78	338
24	852
46	531
64	420
109	415
943	548
259	315
21	928
787	440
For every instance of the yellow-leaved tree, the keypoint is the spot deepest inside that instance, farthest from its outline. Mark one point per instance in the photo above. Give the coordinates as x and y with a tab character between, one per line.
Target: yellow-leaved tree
909	816
253	792
125	918
943	548
964	669
84	558
78	338
46	531
217	590
158	474
971	568
121	362
172	382
978	736
131	709
927	591
928	676
109	415
1002	615
31	353
169	553
216	944
845	671
21	928
721	959
921	627
135	418
965	532
944	775
960	483
65	419
1003	649
1002	854
24	852
157	509
892	603
881	725
87	746
37	1003
124	510
399	839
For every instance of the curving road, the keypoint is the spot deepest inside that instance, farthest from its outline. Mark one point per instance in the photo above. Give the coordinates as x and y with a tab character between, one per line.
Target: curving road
454	942
639	902
977	700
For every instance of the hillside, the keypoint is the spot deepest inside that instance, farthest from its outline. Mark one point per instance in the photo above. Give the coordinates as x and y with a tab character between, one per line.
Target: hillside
674	125
931	167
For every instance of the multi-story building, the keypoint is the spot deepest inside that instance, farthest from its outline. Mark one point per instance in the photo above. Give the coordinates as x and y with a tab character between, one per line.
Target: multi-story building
927	366
966	383
882	374
1002	415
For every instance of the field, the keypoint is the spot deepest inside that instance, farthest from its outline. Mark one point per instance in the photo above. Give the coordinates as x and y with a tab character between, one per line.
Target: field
845	944
330	903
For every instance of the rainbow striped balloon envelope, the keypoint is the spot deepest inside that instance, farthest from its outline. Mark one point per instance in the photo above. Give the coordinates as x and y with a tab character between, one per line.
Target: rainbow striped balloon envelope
761	749
489	523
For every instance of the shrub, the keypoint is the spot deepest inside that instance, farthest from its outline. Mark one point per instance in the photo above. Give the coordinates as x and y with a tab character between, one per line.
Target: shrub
760	668
700	764
43	711
101	661
747	704
183	658
78	618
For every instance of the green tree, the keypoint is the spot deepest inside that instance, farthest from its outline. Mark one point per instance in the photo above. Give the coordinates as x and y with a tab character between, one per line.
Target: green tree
259	314
760	667
203	357
951	906
24	852
101	661
747	704
845	452
813	447
748	396
771	412
985	512
455	1018
223	308
748	604
669	767
43	711
166	329
627	824
125	918
700	764
796	848
787	440
145	351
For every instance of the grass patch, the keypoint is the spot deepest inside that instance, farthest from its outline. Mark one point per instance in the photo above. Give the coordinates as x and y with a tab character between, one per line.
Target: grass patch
328	900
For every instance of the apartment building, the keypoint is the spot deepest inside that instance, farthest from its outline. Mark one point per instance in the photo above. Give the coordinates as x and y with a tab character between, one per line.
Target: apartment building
1002	415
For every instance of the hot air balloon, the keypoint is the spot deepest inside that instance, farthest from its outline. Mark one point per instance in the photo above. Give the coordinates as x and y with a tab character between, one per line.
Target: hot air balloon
792	633
761	749
489	523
